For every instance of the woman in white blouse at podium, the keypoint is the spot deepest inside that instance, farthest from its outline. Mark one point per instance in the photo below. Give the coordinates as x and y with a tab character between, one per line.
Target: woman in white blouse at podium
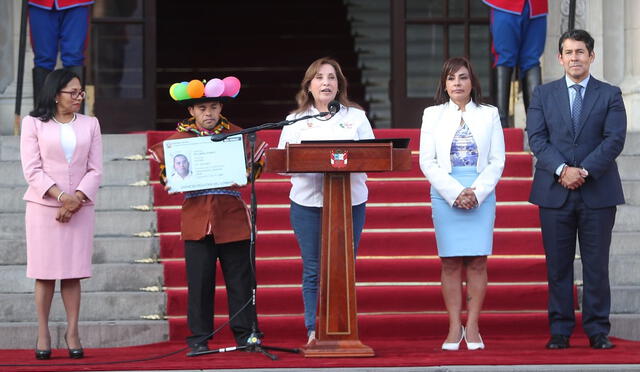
323	82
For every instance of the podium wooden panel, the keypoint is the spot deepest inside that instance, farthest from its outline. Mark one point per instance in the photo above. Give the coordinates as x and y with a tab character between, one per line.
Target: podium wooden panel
336	322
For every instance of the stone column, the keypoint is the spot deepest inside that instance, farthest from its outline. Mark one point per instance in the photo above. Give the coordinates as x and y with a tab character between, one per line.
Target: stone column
10	26
630	84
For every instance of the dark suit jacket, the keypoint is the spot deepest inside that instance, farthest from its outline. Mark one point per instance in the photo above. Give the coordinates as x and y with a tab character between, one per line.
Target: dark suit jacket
598	143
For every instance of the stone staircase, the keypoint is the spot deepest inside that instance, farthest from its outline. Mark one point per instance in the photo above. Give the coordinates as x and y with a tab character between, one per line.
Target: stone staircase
370	26
624	259
122	299
125	288
625	244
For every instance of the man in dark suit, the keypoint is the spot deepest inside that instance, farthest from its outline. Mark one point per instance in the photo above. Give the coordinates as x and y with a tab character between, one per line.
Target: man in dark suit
577	127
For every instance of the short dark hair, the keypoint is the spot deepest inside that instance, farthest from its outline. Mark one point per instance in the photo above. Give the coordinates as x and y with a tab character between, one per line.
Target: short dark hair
577	35
56	80
181	156
451	66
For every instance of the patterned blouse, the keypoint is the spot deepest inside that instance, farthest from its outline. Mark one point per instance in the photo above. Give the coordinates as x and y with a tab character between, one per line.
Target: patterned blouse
464	151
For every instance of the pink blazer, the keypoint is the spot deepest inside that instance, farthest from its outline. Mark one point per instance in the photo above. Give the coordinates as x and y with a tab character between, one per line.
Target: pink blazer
44	163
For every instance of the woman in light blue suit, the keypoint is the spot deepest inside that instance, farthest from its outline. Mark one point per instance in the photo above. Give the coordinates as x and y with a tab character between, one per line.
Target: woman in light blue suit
462	156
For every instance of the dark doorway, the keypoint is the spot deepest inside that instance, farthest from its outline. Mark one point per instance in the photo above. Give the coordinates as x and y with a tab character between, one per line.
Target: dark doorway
122	64
266	44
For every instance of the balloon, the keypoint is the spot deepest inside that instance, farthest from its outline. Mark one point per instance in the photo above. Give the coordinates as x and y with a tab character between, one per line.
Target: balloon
214	88
172	92
195	89
180	91
231	86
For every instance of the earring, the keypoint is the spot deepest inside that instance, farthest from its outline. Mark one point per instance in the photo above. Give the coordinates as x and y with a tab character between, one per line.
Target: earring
56	101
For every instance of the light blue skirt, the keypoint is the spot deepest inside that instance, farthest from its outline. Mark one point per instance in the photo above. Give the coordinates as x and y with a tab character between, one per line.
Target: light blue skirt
462	232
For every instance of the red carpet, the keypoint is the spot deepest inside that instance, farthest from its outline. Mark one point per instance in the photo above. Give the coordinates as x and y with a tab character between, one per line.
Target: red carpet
420	350
378	243
401	313
286	271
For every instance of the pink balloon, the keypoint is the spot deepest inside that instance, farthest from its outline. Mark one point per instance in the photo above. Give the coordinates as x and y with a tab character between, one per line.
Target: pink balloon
231	86
214	88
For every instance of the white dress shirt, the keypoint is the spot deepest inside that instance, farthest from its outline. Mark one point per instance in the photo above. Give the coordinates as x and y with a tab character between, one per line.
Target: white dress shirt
67	140
572	97
439	126
349	123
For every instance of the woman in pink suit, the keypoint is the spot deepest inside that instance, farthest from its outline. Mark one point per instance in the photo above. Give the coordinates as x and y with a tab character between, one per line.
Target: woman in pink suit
61	153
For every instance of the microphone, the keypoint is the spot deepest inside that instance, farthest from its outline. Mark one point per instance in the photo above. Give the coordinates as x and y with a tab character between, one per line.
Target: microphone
334	107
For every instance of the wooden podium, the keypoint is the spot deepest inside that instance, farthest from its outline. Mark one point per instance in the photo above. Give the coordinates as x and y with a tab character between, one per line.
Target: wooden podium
336	323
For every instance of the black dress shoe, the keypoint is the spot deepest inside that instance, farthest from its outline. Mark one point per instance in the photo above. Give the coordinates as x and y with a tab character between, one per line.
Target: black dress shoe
43	354
197	349
74	353
558	342
600	341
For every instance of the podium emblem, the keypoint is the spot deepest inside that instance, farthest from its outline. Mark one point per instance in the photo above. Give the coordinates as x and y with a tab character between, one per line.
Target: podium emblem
339	158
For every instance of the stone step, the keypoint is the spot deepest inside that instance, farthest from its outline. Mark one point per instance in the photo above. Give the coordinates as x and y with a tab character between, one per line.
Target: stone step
106	277
95	306
629	167
369	17
623	270
124	172
357	5
114	146
625	299
105	250
631	192
109	197
625	326
93	334
632	144
379	63
625	243
627	218
108	223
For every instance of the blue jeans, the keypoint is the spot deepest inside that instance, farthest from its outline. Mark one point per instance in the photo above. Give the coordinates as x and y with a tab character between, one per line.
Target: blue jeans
307	225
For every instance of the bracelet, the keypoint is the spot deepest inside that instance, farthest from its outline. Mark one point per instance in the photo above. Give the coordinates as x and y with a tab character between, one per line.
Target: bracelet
60	195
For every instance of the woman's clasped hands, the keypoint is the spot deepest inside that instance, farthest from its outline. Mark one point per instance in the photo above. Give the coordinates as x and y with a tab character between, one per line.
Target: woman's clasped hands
467	199
71	203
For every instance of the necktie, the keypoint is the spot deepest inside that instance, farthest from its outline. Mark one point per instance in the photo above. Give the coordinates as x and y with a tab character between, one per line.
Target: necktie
577	108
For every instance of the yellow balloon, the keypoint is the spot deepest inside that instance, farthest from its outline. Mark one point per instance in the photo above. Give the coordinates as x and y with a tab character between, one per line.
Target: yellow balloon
172	91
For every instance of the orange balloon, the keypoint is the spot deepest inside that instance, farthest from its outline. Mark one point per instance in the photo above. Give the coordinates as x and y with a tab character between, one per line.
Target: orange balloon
195	89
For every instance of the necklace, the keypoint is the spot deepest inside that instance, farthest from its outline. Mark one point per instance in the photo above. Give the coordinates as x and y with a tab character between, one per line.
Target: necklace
70	121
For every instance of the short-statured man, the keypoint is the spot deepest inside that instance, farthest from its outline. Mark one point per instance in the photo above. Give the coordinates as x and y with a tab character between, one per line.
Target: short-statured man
215	226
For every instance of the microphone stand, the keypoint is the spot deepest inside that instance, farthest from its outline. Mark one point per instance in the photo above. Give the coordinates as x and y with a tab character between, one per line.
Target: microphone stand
254	343
277	125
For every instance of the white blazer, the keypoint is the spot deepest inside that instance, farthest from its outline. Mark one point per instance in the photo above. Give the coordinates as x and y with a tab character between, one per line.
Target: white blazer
439	126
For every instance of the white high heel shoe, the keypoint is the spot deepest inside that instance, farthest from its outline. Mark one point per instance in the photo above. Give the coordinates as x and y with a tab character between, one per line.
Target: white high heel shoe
474	345
312	337
453	346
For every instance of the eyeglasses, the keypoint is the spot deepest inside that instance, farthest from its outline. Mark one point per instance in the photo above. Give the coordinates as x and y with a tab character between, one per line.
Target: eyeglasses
75	94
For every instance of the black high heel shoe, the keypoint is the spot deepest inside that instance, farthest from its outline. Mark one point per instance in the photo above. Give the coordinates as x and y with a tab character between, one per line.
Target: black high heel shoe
73	353
42	354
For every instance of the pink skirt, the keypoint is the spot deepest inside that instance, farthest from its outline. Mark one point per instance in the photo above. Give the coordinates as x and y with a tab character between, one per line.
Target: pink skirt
59	250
